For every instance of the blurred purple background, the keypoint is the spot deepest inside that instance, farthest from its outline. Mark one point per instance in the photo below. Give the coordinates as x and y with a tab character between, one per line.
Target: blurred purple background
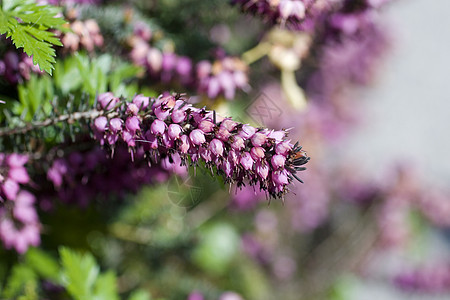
408	116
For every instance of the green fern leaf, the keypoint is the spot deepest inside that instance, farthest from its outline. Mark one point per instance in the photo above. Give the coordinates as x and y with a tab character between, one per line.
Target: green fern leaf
27	24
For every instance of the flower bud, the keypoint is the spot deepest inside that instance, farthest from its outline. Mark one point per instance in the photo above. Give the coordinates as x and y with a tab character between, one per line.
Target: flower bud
246	161
206	126
19	175
107	100
278	161
205	154
10	189
174	131
152	140
141	101
16	160
228	124
262	170
278	135
115	125
238	143
247	131
132	109
100	123
283	148
184	145
132	124
158	127
257	153
227	167
161	113
280	178
128	138
216	147
178	115
259	139
197	137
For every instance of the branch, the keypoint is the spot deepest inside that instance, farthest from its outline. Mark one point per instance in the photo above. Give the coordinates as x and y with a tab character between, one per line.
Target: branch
69	118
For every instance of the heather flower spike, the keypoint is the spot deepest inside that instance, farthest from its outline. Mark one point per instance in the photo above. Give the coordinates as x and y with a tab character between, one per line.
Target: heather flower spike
170	128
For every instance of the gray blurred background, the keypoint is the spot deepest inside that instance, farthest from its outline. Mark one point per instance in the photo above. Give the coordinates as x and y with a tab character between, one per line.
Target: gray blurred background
408	117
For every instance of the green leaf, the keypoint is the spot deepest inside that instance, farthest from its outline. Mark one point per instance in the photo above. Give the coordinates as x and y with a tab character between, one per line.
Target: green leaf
31	33
36	92
43	264
79	273
34	45
21	276
30	291
44	15
106	287
140	295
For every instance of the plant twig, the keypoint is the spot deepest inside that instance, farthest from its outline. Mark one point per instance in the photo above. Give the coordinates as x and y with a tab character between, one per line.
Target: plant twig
69	118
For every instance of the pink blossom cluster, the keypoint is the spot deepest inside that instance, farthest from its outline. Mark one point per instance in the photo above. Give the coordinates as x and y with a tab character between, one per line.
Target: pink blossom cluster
164	66
224	76
12	174
403	195
16	68
19	223
426	279
168	129
195	295
84	35
294	14
80	177
349	47
307	15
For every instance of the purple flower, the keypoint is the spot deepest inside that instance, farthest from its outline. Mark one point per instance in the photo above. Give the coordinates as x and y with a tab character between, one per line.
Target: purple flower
19	175
141	101
185	144
206	126
132	109
56	172
10	189
175	133
178	115
100	123
132	124
262	170
293	14
16	160
247	131
19	229
283	148
158	127
197	137
12	174
195	296
107	100
257	153
278	161
294	8
216	147
238	143
115	125
259	139
246	161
